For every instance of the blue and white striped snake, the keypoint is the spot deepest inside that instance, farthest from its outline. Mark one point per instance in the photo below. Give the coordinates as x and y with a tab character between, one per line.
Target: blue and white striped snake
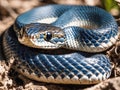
57	44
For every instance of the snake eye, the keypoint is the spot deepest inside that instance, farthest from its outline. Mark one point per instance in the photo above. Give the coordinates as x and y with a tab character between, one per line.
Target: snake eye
48	36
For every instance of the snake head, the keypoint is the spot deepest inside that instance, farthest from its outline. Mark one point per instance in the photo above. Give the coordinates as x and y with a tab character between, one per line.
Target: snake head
42	36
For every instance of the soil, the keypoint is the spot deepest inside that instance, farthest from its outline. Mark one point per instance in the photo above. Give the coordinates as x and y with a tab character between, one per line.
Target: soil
12	80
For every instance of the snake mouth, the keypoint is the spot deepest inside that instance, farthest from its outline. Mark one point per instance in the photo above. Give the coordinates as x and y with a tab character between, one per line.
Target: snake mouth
42	43
41	36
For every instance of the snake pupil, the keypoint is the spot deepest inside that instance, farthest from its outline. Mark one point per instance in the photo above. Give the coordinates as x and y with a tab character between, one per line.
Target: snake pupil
48	36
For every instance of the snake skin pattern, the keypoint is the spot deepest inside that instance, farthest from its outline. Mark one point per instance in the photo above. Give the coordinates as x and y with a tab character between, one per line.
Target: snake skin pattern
63	65
86	28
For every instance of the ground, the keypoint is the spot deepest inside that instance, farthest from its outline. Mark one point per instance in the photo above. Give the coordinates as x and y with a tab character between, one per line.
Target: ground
11	80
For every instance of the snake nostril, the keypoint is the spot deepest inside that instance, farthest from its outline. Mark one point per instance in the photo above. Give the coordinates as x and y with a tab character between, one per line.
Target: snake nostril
19	35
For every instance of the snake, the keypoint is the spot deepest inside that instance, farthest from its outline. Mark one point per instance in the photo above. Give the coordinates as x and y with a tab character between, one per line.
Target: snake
62	44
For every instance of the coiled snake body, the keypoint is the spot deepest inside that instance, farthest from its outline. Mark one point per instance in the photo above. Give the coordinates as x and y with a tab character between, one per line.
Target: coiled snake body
54	38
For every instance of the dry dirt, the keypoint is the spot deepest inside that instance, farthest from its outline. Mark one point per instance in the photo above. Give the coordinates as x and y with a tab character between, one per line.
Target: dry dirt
11	80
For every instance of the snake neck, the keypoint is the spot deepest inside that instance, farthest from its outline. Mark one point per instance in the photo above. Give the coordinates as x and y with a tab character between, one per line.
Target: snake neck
71	39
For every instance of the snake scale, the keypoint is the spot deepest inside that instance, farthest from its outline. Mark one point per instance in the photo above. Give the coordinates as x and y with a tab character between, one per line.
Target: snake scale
57	44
